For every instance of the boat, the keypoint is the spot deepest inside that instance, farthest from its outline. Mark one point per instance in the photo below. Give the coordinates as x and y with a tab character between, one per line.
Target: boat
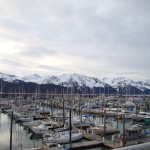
33	123
90	105
99	129
134	132
44	127
77	122
64	128
5	109
62	137
140	115
109	112
25	119
126	113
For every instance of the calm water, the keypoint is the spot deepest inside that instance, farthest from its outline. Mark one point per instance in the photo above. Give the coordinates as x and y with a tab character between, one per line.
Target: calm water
22	138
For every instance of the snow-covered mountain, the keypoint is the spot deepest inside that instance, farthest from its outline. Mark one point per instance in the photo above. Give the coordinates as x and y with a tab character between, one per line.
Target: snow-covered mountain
74	79
78	80
64	80
8	77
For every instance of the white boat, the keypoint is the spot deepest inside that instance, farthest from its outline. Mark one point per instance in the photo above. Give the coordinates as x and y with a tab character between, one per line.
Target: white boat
8	111
16	114
126	113
62	137
100	126
76	121
33	123
140	116
100	129
43	110
110	112
90	105
44	127
25	119
48	146
21	115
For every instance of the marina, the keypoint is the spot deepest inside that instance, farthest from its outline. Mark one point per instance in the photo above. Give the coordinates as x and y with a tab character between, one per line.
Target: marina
74	75
57	121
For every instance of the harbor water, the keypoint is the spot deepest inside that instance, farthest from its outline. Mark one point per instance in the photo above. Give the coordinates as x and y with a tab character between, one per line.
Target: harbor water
21	137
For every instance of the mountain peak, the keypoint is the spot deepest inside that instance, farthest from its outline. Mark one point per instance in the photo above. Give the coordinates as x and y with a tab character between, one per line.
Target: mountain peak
32	78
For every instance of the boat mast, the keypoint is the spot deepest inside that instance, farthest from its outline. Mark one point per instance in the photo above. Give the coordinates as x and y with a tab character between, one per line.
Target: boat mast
11	130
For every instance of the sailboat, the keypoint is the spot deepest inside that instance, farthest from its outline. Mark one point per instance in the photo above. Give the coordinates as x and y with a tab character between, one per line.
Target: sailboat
62	137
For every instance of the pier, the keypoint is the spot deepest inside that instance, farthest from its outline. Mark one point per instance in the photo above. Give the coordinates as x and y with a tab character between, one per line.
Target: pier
94	139
89	144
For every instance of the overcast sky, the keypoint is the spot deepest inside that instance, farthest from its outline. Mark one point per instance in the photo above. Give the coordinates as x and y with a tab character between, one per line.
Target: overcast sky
100	38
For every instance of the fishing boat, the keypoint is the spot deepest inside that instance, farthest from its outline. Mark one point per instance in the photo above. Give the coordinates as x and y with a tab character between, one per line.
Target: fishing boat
134	132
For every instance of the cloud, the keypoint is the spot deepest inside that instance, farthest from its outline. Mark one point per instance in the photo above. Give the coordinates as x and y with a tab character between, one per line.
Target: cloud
12	63
36	52
83	36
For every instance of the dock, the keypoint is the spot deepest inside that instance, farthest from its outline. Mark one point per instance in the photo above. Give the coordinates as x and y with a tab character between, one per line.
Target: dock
94	139
88	144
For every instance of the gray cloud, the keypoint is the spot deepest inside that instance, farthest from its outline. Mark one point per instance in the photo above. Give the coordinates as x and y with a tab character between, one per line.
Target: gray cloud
112	37
12	63
36	52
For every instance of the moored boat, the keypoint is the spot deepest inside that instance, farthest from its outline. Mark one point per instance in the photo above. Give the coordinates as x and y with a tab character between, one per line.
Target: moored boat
62	137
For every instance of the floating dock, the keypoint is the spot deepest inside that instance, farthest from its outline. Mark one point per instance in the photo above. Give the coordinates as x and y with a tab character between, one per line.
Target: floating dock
88	144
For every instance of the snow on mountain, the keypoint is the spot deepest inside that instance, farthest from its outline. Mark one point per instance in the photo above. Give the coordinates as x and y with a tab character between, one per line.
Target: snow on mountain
79	80
74	79
8	77
33	78
123	82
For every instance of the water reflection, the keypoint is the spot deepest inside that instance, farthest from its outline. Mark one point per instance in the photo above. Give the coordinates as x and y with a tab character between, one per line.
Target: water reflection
21	138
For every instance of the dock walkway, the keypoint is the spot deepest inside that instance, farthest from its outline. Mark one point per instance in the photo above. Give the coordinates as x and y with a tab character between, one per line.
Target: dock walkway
85	144
97	139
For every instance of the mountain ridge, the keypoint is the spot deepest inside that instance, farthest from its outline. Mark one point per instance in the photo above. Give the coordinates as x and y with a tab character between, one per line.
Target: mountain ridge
68	80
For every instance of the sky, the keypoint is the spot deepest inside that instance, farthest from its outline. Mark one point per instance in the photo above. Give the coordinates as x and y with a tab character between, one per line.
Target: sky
100	38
